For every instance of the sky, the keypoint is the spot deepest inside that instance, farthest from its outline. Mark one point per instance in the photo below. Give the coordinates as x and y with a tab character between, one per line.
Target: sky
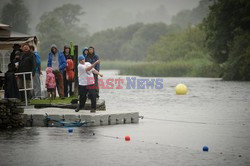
103	14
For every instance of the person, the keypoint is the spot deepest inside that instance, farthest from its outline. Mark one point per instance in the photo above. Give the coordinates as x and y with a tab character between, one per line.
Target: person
57	61
50	83
16	47
36	78
86	83
85	51
27	64
10	83
68	74
92	58
15	62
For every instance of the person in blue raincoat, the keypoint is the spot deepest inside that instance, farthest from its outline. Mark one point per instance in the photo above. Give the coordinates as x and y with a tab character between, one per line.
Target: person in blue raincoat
57	61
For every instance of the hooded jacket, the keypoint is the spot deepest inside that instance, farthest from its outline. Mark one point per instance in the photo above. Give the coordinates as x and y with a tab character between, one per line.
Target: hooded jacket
85	48
61	59
92	59
50	78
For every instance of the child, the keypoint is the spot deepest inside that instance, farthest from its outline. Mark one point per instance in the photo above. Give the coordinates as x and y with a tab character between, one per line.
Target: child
50	83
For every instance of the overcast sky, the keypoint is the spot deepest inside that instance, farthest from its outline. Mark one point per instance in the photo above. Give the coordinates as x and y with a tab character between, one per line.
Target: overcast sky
103	14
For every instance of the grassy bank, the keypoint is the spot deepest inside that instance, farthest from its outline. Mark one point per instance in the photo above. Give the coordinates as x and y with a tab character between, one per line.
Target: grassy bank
184	68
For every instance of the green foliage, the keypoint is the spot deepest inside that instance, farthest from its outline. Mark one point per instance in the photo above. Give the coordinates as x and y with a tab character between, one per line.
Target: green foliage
177	54
227	31
237	67
17	15
195	16
60	27
137	47
188	44
129	43
117	64
177	68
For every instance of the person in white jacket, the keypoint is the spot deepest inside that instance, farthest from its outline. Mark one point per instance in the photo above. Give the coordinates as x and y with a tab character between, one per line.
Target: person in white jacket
87	83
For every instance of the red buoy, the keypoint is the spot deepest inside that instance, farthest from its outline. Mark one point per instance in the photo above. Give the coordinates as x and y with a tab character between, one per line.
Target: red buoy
127	138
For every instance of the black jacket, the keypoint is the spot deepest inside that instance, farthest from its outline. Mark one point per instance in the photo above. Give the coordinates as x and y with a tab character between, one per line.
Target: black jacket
10	85
27	64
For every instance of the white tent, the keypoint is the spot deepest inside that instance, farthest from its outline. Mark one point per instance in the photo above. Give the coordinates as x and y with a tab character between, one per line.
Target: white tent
7	39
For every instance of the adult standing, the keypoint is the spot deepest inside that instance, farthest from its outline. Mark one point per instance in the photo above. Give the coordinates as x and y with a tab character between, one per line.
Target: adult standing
36	78
57	61
67	82
27	64
92	58
85	51
87	83
16	47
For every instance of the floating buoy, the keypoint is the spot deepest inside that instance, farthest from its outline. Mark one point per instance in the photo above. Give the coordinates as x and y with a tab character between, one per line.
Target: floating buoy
181	89
205	149
127	138
70	130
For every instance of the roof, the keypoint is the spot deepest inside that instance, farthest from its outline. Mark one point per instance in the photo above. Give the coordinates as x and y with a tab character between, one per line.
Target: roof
9	37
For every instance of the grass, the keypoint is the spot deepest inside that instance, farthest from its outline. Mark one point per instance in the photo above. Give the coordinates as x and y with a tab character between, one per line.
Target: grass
107	65
56	101
179	68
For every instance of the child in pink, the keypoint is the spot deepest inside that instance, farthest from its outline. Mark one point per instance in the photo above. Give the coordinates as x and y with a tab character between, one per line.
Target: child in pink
50	83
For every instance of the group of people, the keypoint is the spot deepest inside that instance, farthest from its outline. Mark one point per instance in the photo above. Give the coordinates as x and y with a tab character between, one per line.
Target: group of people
23	59
59	73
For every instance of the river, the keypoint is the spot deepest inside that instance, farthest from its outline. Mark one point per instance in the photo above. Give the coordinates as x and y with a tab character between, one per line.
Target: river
214	113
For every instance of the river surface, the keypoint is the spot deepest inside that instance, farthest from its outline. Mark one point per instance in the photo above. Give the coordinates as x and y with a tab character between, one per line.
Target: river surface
214	113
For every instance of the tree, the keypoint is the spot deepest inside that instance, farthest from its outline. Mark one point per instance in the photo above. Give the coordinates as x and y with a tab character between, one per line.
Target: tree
59	27
17	15
143	38
195	16
227	31
184	45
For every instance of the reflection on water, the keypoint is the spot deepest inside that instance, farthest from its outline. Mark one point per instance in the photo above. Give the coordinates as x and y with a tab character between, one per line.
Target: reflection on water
175	128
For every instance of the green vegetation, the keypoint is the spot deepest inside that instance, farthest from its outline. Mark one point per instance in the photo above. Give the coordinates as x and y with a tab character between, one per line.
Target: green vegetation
128	43
228	37
16	14
56	101
117	64
187	18
59	27
178	68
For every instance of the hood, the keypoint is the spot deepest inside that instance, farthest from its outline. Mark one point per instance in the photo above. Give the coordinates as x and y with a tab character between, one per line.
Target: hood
53	46
85	48
49	70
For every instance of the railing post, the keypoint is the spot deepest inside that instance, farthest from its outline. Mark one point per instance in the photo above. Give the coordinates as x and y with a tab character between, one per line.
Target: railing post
76	70
25	91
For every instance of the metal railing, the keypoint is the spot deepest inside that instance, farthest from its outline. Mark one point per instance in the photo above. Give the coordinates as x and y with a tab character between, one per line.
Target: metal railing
25	89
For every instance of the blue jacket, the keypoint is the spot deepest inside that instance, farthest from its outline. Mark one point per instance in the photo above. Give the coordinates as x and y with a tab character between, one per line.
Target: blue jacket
61	60
38	62
92	60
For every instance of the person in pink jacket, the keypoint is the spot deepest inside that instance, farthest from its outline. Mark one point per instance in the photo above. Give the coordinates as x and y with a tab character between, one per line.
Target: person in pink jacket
50	83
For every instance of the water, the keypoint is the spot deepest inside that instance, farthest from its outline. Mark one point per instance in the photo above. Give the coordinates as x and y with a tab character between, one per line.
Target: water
215	113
